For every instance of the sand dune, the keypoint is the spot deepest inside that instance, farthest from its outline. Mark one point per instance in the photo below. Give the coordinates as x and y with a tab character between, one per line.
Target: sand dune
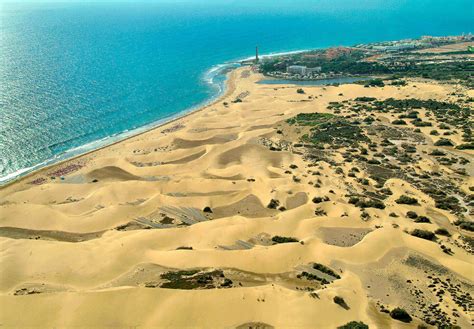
111	173
230	218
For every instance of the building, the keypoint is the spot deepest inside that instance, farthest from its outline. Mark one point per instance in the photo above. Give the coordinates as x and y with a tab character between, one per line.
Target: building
396	47
312	70
302	70
296	69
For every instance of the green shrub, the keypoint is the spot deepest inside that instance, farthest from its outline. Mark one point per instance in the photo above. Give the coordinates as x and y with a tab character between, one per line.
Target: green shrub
403	199
442	231
412	215
325	269
444	142
273	204
399	122
437	152
283	239
375	83
420	123
318	199
312	277
447	203
465	146
423	234
340	301
354	325
366	203
400	314
465	225
365	99
422	219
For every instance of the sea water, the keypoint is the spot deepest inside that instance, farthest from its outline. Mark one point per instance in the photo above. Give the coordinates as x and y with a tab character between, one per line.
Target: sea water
76	76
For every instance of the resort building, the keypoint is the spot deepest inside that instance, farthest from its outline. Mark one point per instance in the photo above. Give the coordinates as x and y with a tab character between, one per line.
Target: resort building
302	70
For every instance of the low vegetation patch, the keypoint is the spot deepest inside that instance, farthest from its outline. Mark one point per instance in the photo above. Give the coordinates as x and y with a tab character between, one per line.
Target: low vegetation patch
401	315
341	302
422	219
366	202
326	270
354	325
283	239
442	231
399	122
423	234
444	142
195	279
365	99
328	128
465	146
403	199
318	199
312	277
465	225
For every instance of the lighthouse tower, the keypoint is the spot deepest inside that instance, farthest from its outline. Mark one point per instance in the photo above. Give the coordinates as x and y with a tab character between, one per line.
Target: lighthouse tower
256	54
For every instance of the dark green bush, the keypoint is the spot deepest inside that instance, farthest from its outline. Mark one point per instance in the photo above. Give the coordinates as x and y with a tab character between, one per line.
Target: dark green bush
340	301
365	99
437	153
412	214
465	146
273	204
354	325
399	122
312	277
442	231
283	239
444	142
422	219
465	225
325	269
423	234
318	199
400	314
403	199
366	203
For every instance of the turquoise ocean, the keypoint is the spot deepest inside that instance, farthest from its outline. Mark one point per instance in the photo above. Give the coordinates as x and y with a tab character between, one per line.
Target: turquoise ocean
76	76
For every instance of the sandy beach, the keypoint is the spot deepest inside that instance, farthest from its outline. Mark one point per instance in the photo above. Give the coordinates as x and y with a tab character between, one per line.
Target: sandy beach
176	227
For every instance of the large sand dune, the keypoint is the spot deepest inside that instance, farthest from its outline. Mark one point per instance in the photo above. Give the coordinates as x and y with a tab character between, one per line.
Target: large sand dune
173	228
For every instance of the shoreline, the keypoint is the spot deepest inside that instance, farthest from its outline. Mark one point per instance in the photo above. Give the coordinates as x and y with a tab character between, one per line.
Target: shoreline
229	87
228	65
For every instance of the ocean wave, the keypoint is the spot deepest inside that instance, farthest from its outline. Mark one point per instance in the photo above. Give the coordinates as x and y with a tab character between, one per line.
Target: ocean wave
20	172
